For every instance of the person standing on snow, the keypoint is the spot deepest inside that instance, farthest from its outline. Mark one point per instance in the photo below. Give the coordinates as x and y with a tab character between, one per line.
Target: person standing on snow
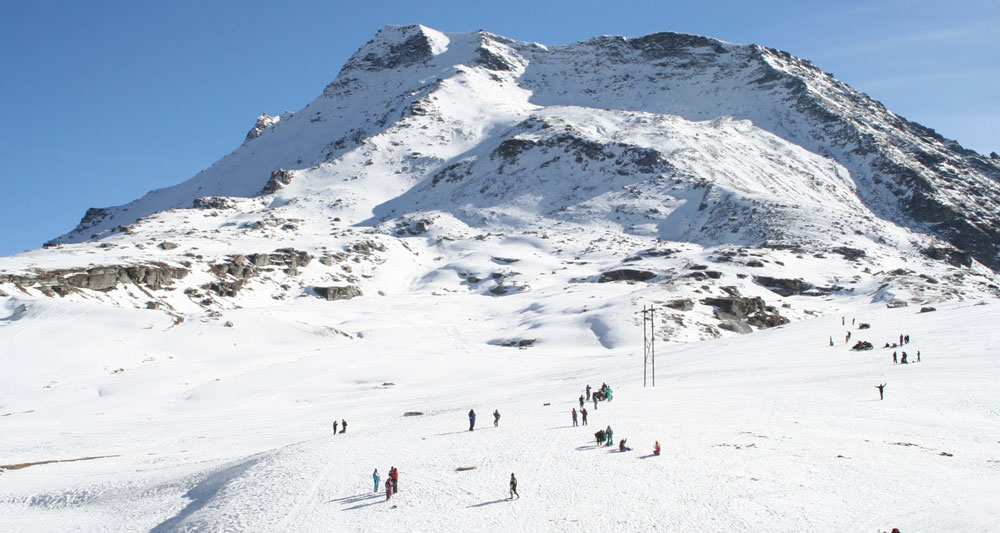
389	485
894	360
343	425
472	419
583	413
594	397
574	417
394	474
496	418
609	436
376	478
513	486
334	427
880	390
581	401
588	393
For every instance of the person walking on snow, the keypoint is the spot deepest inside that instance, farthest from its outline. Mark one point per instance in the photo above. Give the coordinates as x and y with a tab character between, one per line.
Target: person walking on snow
376	478
880	390
496	418
574	417
472	419
583	413
588	392
394	474
513	487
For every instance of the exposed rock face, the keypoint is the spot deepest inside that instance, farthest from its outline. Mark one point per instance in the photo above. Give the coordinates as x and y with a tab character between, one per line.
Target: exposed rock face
852	254
752	311
279	178
264	121
953	256
683	304
391	48
213	202
153	276
167	245
338	293
237	269
784	287
626	274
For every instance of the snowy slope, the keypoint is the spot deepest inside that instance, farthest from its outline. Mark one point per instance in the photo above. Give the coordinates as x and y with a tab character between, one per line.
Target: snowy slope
209	428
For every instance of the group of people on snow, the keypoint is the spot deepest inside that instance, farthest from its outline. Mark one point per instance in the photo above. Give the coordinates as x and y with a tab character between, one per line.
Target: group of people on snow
343	426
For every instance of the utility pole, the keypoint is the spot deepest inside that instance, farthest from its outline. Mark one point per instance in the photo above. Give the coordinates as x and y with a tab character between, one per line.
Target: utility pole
648	342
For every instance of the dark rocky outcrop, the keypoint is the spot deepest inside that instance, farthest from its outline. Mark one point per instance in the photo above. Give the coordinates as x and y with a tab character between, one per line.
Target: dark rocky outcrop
783	286
626	274
952	256
233	273
337	292
167	245
213	202
682	304
515	343
751	311
279	178
851	254
264	121
61	282
927	309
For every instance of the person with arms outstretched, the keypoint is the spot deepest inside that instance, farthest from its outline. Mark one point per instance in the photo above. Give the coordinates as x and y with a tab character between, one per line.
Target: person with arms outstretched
880	388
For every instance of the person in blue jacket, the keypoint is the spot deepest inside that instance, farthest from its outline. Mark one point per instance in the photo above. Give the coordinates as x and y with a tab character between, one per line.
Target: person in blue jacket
376	478
472	419
609	436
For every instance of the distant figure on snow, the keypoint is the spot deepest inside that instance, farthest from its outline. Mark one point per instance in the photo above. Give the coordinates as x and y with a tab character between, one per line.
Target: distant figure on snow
376	478
607	394
583	413
848	338
609	436
906	338
496	418
472	419
588	392
880	391
594	397
343	425
513	486
894	358
831	340
334	427
918	360
656	448
574	417
622	448
581	401
903	360
394	475
388	488
599	436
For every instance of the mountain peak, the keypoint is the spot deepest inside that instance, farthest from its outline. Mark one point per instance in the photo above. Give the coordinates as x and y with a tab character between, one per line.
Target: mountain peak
398	46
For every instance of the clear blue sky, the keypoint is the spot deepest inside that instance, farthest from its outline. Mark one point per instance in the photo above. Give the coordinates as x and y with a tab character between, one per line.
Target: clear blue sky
105	100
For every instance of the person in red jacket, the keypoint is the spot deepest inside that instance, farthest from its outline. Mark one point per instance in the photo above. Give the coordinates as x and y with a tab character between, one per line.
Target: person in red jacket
394	474
656	448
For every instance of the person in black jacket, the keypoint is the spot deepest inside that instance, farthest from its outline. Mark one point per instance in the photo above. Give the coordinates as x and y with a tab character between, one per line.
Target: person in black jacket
880	390
472	419
513	486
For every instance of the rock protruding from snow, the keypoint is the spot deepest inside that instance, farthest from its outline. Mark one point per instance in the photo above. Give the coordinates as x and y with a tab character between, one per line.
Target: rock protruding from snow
264	121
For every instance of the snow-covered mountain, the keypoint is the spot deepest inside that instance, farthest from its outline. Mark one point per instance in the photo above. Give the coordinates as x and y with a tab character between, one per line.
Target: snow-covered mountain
451	198
657	154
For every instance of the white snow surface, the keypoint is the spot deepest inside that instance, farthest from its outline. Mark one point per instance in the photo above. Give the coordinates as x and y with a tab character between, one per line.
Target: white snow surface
208	428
